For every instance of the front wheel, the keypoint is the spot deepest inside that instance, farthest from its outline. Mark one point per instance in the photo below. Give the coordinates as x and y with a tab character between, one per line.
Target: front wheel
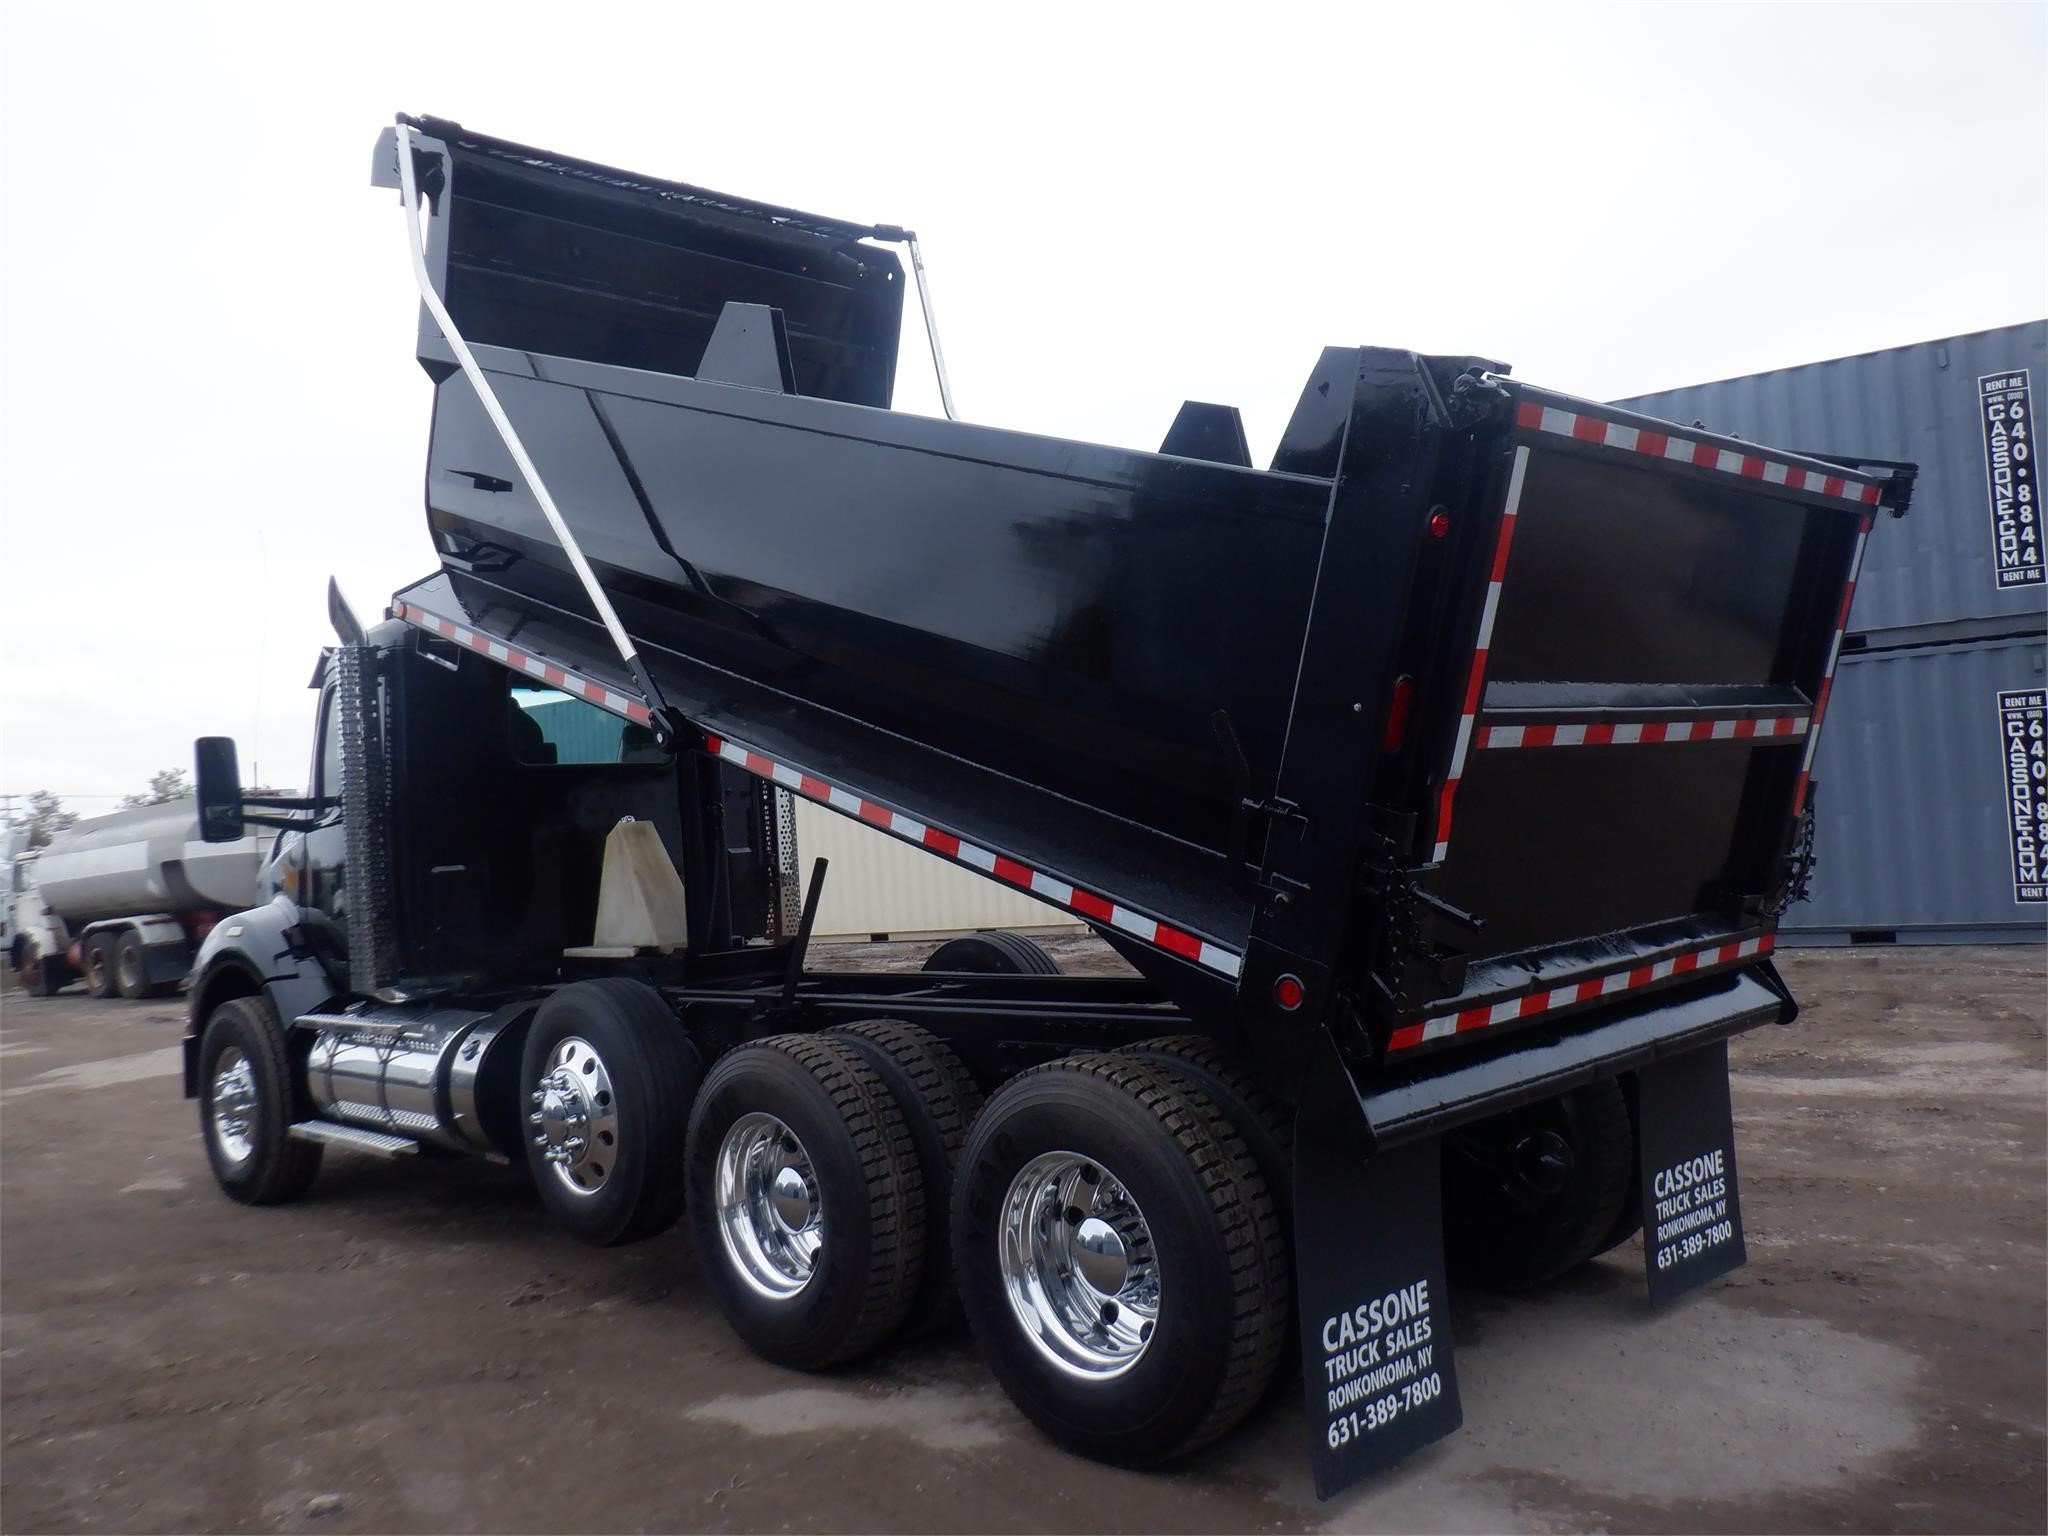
1120	1258
245	1106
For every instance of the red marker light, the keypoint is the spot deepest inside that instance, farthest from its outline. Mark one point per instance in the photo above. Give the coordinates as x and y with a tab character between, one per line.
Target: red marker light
1397	714
1439	523
1288	992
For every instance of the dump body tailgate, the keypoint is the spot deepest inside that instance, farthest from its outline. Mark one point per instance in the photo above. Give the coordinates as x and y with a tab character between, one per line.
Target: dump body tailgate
1623	782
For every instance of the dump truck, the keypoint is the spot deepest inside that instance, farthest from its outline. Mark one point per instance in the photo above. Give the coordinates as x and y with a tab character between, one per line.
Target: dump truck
1442	784
123	901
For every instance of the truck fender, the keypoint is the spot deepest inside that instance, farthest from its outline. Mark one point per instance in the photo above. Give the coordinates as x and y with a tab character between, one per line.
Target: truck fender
258	952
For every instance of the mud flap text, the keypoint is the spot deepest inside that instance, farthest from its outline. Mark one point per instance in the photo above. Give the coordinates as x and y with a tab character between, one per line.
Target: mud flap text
1692	1215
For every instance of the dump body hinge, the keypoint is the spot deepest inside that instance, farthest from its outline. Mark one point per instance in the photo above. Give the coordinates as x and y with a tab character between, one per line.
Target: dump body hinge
1410	965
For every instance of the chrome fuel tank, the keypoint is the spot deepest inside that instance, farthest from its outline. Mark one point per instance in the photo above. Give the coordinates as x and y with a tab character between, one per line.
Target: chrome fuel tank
415	1073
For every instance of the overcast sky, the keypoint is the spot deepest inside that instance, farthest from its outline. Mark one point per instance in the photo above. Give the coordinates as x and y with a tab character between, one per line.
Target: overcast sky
210	400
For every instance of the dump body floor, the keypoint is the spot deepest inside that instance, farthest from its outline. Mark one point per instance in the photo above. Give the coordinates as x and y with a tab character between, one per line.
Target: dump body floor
414	1348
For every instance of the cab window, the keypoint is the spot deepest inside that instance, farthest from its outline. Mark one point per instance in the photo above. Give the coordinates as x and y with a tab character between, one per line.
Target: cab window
549	727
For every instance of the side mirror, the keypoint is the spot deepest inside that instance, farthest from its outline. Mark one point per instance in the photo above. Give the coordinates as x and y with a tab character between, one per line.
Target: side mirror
217	775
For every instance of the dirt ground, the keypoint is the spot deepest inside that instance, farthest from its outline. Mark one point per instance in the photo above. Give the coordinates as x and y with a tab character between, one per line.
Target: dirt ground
412	1348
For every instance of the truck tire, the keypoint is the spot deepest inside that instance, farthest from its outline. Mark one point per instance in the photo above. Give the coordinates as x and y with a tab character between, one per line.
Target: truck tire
131	966
939	1100
44	975
1266	1124
1630	1221
1533	1193
807	1206
99	965
608	1076
245	1106
993	954
1151	1321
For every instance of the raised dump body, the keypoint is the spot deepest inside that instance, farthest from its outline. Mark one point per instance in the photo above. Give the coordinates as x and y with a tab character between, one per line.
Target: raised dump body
1443	781
1478	706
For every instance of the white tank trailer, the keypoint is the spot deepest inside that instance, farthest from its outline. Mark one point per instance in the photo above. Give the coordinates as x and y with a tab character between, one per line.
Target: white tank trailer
123	901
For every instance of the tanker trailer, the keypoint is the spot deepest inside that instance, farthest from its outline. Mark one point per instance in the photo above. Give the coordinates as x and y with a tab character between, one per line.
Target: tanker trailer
124	901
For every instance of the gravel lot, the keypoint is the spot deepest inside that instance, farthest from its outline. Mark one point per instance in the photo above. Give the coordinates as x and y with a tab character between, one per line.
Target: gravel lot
412	1348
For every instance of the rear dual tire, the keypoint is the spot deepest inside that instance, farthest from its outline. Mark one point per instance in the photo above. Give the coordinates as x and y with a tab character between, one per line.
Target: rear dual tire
1536	1192
807	1202
1120	1258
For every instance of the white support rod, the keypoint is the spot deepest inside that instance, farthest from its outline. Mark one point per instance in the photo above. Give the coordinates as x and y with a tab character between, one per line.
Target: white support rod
931	327
409	192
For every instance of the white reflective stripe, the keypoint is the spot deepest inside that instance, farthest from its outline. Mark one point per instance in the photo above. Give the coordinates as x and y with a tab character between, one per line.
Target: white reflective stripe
1221	960
1678	448
1627	735
732	752
1558	421
980	858
1437	853
1618	982
1559	996
1132	922
535	667
1775	473
1436	1029
1723	730
616	701
840	800
1500	1013
903	826
1487	614
1728	462
1504	735
1619	436
462	636
1662	969
1466	725
782	774
498	652
1057	890
1749	946
1570	735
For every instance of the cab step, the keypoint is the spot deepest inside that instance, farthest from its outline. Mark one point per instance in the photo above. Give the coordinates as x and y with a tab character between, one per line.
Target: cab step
354	1137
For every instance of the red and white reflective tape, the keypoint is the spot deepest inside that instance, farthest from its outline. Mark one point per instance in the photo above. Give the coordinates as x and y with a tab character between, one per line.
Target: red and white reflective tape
1475	681
1827	678
1583	427
1098	909
1529	1006
1643	733
510	655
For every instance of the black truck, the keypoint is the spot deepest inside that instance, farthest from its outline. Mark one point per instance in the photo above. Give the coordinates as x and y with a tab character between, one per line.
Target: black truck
1442	784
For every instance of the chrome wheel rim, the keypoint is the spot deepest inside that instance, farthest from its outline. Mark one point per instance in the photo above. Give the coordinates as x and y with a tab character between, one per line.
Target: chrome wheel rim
1079	1266
575	1117
769	1212
232	1105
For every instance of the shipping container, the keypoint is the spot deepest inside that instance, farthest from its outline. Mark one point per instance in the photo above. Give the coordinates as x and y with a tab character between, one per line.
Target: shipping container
1931	797
1967	563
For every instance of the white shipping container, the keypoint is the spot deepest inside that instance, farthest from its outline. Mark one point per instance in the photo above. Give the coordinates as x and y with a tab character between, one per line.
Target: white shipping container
878	884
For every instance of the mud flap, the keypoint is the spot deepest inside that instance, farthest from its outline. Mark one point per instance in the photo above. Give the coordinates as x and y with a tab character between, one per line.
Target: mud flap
1692	1216
1376	1365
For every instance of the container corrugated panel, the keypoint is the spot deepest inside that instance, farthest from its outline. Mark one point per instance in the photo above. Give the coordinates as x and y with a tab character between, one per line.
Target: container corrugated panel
1915	840
1928	404
880	884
